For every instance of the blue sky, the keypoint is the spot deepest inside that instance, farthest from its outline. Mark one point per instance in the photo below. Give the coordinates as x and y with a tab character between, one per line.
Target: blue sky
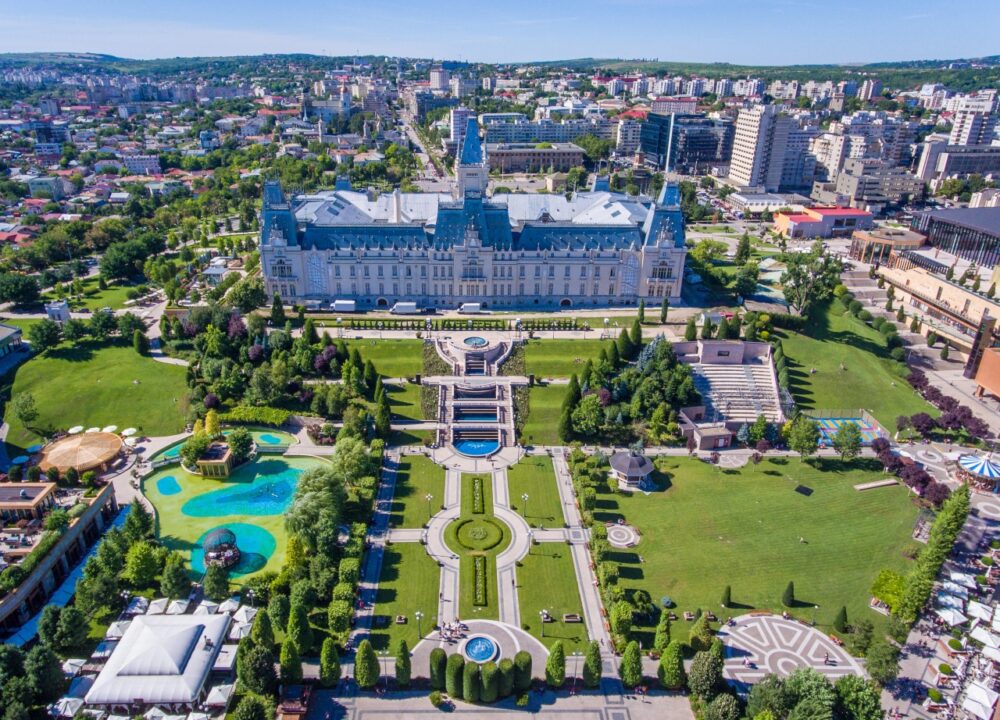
742	31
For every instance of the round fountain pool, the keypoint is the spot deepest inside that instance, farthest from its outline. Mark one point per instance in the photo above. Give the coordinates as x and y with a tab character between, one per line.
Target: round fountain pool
480	649
476	341
477	448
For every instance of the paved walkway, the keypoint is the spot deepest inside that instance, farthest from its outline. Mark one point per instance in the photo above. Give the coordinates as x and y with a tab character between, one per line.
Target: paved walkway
760	644
377	531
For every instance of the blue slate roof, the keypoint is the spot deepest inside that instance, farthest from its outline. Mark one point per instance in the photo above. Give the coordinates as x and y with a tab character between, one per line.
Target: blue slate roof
472	150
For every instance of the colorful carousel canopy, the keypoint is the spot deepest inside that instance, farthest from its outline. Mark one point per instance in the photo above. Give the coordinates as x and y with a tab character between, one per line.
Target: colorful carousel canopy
984	467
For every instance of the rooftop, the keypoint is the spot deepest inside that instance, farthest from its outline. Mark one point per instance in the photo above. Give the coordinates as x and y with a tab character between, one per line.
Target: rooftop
23	494
983	219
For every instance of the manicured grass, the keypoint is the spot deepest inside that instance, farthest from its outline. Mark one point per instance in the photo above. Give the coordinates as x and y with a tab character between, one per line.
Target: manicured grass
22	323
466	574
392	358
410	581
404	401
542	425
867	381
98	384
535	476
560	357
94	298
757	530
416	476
546	580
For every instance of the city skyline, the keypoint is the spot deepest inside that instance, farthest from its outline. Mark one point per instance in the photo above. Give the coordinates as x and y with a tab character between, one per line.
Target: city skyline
713	30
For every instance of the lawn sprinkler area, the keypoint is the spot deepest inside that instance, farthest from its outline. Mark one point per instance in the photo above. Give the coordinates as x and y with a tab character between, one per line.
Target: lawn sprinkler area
251	502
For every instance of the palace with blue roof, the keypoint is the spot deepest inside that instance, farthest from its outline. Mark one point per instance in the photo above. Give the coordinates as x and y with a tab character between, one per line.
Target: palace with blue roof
588	249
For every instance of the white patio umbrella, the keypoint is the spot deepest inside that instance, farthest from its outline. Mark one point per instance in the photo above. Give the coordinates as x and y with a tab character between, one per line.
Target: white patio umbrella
109	428
174	717
93	429
75	429
219	696
73	666
230	605
154	713
206	607
177	607
67	707
131	441
245	614
119	717
198	716
129	432
117	629
158	607
239	631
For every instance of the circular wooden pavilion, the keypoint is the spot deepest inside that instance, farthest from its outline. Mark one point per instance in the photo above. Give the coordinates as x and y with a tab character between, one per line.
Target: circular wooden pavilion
84	451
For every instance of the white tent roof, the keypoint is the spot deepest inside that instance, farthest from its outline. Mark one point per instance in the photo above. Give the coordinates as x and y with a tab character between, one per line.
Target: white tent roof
947	600
67	707
963	579
198	716
951	616
206	607
239	631
979	700
955	589
992	653
219	696
230	605
136	606
980	611
162	659
158	606
986	637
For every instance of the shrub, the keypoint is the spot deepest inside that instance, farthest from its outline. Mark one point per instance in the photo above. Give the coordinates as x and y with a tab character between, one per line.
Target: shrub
249	415
934	694
506	667
435	698
438	661
471	683
522	671
945	669
454	669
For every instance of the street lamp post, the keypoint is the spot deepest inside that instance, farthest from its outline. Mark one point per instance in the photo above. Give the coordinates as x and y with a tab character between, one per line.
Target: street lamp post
429	497
250	595
542	614
576	668
524	511
815	608
419	616
385	673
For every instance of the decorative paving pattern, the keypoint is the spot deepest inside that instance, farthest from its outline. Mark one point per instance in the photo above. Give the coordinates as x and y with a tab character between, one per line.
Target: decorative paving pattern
929	456
508	638
772	644
988	510
733	460
622	536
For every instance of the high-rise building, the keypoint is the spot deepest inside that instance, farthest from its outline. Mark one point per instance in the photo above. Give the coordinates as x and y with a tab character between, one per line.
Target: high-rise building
974	122
686	143
870	88
759	148
440	79
458	120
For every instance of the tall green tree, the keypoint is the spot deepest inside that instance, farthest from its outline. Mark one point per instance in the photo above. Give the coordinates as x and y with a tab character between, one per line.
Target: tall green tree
329	663
471	683
671	669
522	671
642	311
262	631
743	250
705	678
847	441
453	672
216	583
691	331
291	663
298	630
804	436
366	669
592	665
403	664
664	309
277	312
436	670
175	582
630	668
555	666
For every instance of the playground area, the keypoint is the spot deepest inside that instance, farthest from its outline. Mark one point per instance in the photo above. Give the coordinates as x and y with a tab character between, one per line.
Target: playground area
830	421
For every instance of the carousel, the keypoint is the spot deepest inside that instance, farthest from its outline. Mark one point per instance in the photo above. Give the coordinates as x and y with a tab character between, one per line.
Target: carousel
220	548
980	472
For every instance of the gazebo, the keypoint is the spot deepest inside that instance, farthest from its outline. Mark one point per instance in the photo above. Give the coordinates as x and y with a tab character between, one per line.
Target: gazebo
220	548
980	472
85	451
630	468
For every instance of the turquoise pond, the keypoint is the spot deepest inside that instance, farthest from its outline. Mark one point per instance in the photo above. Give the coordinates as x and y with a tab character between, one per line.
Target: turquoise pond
261	437
255	543
269	492
168	485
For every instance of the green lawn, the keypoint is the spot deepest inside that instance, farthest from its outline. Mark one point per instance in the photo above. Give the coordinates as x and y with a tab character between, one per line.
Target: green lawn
416	476
542	425
404	401
410	581
758	530
98	384
466	574
867	380
547	580
94	298
534	476
22	323
392	358
560	357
